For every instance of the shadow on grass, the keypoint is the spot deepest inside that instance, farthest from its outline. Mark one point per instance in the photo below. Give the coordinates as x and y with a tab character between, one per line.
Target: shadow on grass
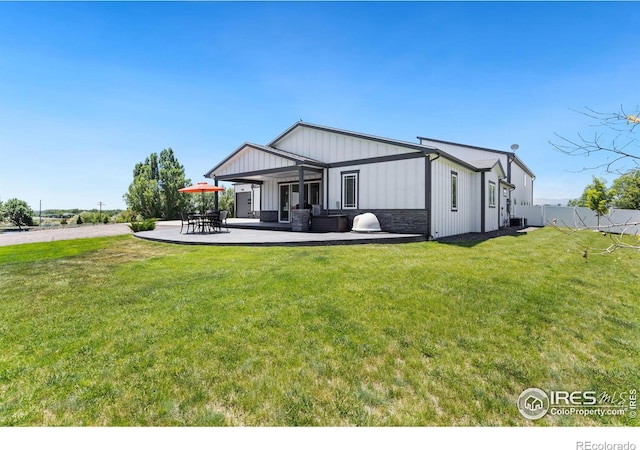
472	239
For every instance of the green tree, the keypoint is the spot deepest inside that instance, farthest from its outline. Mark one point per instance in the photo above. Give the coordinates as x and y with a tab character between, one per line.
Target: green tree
18	212
226	201
172	177
625	191
143	196
582	201
154	190
598	197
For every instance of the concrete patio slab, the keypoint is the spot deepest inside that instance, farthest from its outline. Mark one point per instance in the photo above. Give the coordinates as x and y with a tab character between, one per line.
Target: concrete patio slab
170	232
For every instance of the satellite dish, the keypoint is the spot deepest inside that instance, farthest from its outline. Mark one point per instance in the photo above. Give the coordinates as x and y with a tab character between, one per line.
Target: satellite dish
515	147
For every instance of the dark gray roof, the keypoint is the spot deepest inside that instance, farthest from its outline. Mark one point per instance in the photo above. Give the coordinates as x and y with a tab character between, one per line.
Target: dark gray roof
514	157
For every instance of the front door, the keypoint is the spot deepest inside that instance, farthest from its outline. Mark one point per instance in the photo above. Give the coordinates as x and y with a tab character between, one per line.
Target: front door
243	204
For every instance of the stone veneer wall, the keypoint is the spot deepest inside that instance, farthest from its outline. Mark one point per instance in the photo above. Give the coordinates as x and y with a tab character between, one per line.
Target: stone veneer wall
300	219
393	220
268	216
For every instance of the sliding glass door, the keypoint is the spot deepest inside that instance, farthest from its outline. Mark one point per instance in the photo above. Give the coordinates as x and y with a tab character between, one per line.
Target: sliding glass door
290	198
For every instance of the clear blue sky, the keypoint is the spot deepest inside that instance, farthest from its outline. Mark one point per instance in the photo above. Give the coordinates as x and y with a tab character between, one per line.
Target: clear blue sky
87	90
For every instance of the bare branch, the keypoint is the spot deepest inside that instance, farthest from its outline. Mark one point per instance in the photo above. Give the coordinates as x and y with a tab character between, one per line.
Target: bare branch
617	240
622	146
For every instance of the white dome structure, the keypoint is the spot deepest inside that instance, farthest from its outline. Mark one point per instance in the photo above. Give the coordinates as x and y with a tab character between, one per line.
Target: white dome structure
366	223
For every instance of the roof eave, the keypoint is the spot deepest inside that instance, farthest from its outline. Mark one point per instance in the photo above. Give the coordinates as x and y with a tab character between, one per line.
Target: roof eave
419	147
502	152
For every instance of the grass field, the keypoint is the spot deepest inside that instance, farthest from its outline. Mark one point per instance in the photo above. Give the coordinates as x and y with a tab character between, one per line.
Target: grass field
119	331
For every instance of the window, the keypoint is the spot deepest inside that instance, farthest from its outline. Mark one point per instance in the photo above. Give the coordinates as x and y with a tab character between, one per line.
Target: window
350	190
492	194
454	191
525	180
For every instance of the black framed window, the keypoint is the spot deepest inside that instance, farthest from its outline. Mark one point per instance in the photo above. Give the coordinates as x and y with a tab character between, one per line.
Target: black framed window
454	191
492	194
350	190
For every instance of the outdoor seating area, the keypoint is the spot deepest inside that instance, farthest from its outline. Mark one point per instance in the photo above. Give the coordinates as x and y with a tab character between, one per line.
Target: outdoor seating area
209	222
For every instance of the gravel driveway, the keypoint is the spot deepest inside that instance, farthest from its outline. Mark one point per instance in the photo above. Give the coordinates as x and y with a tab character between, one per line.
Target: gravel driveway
61	234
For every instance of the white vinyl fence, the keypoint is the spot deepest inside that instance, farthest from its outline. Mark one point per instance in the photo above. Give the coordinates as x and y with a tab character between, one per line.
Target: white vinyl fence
617	221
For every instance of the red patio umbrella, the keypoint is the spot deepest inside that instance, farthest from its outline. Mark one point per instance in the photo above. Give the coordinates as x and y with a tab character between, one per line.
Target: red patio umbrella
202	187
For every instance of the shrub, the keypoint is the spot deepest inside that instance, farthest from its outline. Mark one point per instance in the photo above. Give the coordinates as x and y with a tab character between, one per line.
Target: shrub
79	221
145	225
127	216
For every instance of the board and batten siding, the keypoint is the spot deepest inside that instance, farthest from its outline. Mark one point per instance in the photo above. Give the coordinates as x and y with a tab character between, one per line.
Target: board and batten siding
388	185
331	147
270	195
467	153
523	195
519	177
466	219
250	160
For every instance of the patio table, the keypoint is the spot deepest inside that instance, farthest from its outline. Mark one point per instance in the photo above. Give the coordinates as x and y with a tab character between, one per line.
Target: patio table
207	222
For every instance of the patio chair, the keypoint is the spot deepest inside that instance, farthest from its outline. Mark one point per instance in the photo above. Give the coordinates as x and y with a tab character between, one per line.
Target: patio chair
187	218
212	220
223	220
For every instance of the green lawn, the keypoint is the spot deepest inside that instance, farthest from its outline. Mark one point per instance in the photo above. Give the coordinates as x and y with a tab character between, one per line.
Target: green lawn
120	331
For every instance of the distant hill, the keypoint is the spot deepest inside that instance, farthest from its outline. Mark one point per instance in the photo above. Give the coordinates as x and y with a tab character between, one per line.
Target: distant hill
551	201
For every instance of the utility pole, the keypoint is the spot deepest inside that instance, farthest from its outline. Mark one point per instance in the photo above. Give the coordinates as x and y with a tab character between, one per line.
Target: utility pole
100	213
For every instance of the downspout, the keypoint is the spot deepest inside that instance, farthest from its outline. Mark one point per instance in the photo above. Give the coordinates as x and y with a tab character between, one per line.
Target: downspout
532	180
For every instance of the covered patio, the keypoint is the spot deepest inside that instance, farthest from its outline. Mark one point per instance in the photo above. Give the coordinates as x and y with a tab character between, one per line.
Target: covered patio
251	232
289	183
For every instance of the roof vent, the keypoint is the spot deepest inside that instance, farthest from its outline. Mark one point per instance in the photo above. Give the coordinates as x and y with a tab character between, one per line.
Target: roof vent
366	223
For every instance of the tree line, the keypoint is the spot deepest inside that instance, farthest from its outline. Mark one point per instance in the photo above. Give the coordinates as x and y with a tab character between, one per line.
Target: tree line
624	193
153	193
619	142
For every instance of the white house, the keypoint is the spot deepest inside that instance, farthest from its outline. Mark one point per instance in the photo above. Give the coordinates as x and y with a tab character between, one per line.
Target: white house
431	187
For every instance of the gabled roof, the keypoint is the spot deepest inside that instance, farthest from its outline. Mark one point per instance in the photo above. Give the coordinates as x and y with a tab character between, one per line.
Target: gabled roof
416	149
502	152
424	149
419	147
488	164
298	159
